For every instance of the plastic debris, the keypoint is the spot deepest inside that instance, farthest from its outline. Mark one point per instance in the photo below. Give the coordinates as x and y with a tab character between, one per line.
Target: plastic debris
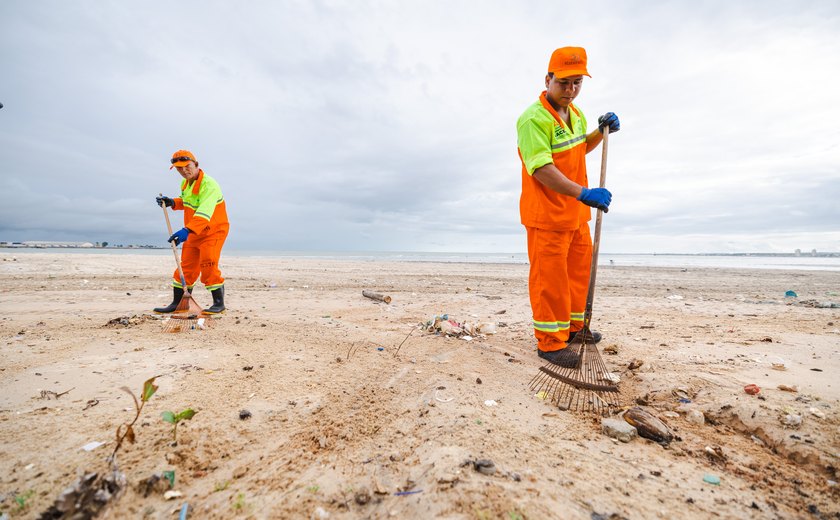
172	494
442	400
185	509
541	395
778	363
792	420
92	445
711	479
816	412
444	325
380	349
786	388
404	493
790	294
752	389
490	402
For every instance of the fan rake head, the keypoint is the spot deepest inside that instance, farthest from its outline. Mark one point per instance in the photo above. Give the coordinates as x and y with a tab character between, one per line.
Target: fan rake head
588	387
182	322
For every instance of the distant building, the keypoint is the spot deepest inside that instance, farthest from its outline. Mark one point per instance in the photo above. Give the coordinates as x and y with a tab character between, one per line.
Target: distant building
49	243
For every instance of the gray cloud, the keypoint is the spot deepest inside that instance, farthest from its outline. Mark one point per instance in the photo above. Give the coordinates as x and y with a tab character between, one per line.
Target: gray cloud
363	126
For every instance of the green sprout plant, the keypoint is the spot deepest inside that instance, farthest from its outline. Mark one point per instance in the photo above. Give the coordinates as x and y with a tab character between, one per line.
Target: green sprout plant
174	418
125	431
21	499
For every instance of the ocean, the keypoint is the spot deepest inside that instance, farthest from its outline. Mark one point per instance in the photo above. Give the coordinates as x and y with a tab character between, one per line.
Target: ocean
807	263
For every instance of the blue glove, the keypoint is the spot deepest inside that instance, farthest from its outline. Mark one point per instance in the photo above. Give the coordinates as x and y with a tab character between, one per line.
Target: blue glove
165	201
596	197
611	120
179	236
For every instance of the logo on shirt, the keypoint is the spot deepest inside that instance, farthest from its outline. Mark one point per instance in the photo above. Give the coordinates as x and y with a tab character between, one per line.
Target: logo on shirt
559	131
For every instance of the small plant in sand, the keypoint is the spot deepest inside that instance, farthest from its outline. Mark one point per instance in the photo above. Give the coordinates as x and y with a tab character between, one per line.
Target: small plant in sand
174	418
126	431
21	499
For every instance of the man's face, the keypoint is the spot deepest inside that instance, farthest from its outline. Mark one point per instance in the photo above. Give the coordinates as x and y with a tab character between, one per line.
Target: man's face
189	172
562	91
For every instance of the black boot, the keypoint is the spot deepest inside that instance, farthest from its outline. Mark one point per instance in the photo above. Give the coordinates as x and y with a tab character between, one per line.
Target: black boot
177	294
218	301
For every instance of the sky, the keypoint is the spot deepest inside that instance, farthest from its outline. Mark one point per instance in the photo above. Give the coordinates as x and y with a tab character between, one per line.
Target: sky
391	126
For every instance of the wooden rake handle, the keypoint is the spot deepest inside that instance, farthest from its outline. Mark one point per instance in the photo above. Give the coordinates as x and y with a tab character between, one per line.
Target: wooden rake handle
174	247
593	271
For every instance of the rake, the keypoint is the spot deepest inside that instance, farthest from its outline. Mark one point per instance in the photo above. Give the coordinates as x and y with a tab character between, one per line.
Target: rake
187	315
589	386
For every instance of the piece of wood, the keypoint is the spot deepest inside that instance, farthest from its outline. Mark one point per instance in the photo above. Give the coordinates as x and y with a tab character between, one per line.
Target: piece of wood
376	296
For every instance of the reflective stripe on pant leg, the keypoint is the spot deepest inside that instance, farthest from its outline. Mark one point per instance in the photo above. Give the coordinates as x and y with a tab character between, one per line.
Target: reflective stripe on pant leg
548	286
580	260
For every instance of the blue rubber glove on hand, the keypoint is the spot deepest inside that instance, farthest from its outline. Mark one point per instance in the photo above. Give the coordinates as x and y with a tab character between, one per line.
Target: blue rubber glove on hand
611	120
596	197
179	236
165	201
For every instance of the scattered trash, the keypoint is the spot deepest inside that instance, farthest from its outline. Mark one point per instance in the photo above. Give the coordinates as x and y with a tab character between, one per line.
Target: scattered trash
438	398
485	466
93	445
172	494
635	363
711	479
404	493
695	417
442	324
200	324
478	380
611	349
612	377
169	475
648	425
715	453
490	402
618	429
185	509
778	363
792	420
87	496
380	349
244	414
674	297
752	389
816	412
786	388
90	404
541	395
790	294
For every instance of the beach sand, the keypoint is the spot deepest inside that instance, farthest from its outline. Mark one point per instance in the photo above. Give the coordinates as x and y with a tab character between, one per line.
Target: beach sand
333	435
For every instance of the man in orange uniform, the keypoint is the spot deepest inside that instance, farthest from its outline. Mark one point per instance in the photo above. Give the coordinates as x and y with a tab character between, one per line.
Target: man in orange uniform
204	232
555	205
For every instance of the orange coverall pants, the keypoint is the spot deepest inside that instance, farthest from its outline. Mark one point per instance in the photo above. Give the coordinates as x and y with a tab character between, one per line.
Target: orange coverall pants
200	256
558	283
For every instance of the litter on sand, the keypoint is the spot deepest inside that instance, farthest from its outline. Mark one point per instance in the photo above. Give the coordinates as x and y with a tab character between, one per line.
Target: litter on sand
92	445
446	326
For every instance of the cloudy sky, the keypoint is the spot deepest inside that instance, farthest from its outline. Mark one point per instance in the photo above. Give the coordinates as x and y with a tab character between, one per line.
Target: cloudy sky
375	125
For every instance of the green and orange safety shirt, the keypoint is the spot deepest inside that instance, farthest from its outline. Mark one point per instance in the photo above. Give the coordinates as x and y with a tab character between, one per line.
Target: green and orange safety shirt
543	138
204	208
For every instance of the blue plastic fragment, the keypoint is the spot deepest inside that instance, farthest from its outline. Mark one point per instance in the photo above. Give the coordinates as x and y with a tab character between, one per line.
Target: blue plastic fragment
711	479
684	400
184	510
403	493
380	349
790	294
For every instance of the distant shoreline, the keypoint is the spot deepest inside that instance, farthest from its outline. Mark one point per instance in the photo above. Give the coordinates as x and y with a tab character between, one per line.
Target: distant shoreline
813	254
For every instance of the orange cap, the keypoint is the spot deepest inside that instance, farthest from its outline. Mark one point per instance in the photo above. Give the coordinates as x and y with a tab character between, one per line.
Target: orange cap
182	158
568	61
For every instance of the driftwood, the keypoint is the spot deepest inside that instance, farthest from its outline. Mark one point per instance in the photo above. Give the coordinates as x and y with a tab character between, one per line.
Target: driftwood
376	296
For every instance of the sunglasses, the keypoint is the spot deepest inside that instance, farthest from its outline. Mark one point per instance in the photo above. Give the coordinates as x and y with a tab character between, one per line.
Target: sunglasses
180	159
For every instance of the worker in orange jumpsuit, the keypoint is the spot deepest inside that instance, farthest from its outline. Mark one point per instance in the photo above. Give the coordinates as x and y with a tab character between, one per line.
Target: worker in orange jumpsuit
555	205
203	235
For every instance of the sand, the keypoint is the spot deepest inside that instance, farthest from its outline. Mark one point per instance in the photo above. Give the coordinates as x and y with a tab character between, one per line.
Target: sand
333	435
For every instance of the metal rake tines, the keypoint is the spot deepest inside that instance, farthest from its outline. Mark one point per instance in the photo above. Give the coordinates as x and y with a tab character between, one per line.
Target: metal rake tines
588	387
